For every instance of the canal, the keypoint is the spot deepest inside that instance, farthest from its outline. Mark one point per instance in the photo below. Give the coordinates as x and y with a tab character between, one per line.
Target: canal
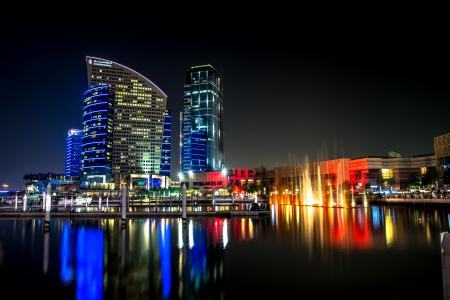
301	252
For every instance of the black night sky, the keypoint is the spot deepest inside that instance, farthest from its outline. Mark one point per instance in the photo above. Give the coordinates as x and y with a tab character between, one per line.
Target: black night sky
289	89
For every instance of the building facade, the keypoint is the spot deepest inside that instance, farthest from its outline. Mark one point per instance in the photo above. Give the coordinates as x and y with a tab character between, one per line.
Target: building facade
201	121
73	153
166	151
442	151
372	171
226	181
138	118
357	174
96	146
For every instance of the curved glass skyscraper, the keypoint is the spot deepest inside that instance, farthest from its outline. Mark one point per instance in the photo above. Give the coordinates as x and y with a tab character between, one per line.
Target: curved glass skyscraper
201	121
96	146
138	118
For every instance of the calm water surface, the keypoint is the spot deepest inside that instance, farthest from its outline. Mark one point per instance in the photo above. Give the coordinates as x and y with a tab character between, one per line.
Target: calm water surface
299	252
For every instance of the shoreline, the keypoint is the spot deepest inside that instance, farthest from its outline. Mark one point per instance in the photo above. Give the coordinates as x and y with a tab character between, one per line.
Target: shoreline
412	202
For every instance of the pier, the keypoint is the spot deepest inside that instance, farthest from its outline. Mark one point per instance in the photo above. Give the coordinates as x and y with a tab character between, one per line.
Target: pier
142	214
139	209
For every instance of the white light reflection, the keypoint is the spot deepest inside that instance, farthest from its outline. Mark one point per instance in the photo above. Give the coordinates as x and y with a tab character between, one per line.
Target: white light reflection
180	234
191	234
225	233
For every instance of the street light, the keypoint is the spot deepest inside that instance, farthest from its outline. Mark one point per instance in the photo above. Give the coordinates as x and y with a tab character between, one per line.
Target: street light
180	176
224	172
5	186
190	173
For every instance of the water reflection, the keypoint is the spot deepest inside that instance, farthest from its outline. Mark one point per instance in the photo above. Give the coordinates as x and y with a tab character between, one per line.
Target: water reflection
166	258
66	255
356	228
89	264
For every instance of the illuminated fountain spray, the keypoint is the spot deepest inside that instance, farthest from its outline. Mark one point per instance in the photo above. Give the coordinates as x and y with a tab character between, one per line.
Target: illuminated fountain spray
353	199
319	187
339	188
331	201
307	191
304	185
365	199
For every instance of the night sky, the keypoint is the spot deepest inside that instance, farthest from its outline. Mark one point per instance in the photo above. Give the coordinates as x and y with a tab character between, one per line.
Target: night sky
290	89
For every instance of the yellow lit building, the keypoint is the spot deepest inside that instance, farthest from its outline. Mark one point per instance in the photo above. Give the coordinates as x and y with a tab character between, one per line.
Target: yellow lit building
139	112
442	151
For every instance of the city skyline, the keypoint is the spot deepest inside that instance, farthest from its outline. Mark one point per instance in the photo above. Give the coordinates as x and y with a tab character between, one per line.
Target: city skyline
281	101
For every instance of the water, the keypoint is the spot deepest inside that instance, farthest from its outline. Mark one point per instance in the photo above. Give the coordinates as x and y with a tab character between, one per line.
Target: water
379	252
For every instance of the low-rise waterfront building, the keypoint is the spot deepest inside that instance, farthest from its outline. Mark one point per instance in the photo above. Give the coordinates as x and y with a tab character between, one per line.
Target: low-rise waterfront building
358	174
397	171
231	181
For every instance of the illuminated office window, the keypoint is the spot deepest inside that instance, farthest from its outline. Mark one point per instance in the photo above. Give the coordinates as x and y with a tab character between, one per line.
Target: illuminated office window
423	170
387	173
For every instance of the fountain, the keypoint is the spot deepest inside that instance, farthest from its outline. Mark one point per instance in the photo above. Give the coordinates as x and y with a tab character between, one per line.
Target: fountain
307	190
331	201
353	199
365	200
314	184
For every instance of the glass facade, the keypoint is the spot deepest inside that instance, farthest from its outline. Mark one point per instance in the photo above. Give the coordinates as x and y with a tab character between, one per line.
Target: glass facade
166	151
202	121
73	153
96	146
139	112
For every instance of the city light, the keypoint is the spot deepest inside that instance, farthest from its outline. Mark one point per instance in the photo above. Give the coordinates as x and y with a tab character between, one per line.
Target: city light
119	222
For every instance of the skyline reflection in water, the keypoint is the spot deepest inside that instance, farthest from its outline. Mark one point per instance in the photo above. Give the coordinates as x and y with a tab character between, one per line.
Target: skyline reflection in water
358	228
215	257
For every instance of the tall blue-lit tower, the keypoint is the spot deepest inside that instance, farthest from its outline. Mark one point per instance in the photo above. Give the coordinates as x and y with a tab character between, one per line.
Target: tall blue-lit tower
166	152
202	121
96	143
73	153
